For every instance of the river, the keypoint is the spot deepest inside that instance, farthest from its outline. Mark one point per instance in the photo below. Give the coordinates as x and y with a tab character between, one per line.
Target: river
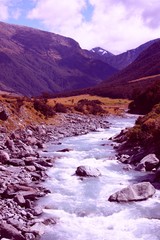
81	206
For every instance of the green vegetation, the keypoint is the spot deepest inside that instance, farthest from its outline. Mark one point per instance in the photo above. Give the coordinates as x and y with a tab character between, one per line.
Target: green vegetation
146	132
42	106
144	102
61	108
89	106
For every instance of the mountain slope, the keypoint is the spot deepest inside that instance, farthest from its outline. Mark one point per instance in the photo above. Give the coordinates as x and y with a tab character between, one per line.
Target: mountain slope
34	61
136	77
122	60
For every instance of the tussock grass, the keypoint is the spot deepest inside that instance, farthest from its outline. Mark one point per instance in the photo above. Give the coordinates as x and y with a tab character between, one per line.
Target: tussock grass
21	110
112	106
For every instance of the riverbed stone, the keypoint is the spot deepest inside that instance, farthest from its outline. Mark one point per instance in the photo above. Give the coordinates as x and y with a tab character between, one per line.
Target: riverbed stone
135	192
36	211
65	150
8	231
20	199
4	156
10	144
148	163
4	115
86	171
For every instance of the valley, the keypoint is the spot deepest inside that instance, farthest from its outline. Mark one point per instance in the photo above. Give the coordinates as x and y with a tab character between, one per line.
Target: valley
79	138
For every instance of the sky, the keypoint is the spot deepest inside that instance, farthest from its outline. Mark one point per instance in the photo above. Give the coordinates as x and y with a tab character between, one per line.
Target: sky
115	25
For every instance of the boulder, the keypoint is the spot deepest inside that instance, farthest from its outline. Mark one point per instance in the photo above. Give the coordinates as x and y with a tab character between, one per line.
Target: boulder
8	231
124	158
36	211
86	171
4	156
16	162
10	144
38	228
65	150
135	192
3	115
30	168
40	145
148	163
31	140
20	199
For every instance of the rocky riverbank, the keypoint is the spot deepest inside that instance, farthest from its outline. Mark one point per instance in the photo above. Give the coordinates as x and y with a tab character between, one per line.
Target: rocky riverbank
22	171
141	158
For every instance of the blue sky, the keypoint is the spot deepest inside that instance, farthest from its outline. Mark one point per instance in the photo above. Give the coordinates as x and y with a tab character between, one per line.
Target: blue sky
116	25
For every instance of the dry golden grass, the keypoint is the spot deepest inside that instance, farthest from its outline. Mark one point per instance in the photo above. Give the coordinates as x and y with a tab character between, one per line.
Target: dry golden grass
144	78
22	113
112	106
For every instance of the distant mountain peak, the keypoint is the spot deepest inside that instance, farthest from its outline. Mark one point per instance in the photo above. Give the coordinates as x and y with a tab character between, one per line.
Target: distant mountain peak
121	60
101	51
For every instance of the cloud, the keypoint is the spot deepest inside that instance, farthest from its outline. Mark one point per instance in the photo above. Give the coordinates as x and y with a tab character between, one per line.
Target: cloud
58	15
16	13
4	11
9	9
116	25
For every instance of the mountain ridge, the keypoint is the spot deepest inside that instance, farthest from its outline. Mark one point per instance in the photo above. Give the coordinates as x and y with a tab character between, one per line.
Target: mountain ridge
34	61
122	60
126	83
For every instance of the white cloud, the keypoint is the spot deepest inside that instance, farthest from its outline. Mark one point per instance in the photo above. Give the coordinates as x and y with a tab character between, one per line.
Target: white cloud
16	13
116	25
9	9
4	11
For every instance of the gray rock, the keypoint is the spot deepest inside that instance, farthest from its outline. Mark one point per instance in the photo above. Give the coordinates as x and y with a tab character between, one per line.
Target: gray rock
16	162
40	145
148	163
38	228
10	144
29	236
20	199
65	150
3	115
37	211
86	171
8	231
31	140
124	158
4	156
136	192
30	168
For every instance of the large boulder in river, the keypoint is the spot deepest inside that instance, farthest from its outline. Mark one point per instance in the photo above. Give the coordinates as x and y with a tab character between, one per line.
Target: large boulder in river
86	171
135	192
148	163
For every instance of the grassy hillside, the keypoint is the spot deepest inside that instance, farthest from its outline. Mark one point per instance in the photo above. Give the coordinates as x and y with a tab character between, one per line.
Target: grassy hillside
22	111
146	132
33	62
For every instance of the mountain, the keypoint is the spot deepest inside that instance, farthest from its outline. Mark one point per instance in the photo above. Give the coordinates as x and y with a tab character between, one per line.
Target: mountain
33	62
135	78
122	60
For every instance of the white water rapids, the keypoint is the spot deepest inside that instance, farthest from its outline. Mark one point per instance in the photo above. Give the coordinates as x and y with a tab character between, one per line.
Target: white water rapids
81	207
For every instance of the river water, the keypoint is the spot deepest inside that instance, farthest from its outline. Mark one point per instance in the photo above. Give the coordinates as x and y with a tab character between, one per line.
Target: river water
81	206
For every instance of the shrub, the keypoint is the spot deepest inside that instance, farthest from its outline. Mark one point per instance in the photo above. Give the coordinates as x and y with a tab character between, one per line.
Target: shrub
59	107
41	106
89	106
